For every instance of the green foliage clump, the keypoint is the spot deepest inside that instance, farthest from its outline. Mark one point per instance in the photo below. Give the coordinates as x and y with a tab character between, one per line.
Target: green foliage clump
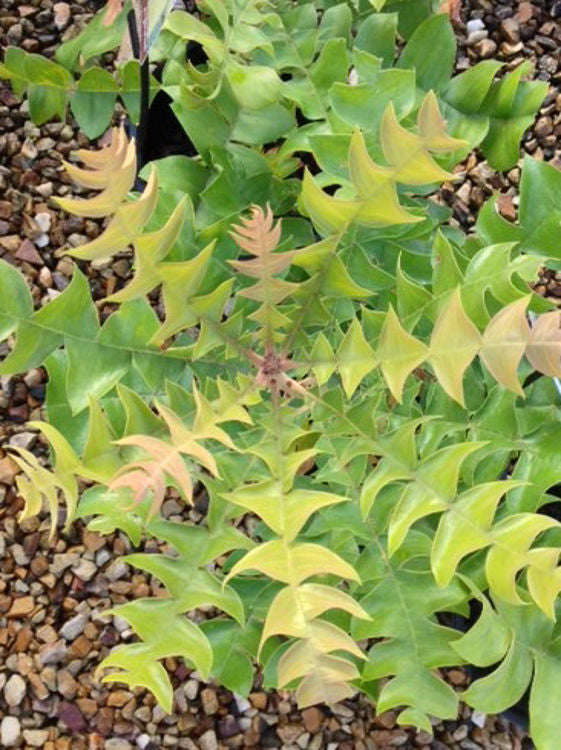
354	384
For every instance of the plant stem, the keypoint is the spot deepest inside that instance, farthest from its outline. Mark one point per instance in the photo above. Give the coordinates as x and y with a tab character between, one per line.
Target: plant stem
142	57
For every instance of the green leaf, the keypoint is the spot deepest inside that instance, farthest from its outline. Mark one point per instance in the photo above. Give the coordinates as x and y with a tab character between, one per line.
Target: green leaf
95	39
399	353
511	106
48	88
264	125
467	91
414	644
377	34
72	313
540	220
454	343
364	104
544	698
293	564
164	633
487	641
111	507
15	299
233	648
424	693
505	686
94	100
431	52
355	358
310	91
254	86
179	174
188	586
446	274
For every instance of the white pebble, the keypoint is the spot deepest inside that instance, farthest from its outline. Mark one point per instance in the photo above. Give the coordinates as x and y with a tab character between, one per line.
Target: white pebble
479	719
14	690
191	688
43	221
353	77
10	731
242	704
476	24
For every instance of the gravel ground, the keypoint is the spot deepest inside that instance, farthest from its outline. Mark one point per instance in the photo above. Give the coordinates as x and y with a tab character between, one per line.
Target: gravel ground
52	634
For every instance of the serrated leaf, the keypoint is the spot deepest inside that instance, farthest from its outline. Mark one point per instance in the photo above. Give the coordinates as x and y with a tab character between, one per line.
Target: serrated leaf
293	608
504	343
119	168
126	224
355	358
284	513
293	563
399	353
544	347
465	527
164	633
454	343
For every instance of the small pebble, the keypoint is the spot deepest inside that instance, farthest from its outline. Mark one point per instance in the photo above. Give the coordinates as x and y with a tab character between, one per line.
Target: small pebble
10	731
14	690
478	718
486	48
476	24
242	703
53	653
116	743
510	30
43	221
209	701
476	36
191	689
208	740
62	15
116	570
85	570
22	439
36	737
74	627
29	150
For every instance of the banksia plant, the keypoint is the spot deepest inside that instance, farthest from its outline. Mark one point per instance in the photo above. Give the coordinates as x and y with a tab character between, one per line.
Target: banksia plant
364	394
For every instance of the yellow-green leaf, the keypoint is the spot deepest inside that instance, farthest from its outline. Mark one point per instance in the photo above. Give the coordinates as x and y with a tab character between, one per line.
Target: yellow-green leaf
323	359
293	563
544	350
408	155
355	358
509	554
454	343
399	353
375	185
465	527
504	343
